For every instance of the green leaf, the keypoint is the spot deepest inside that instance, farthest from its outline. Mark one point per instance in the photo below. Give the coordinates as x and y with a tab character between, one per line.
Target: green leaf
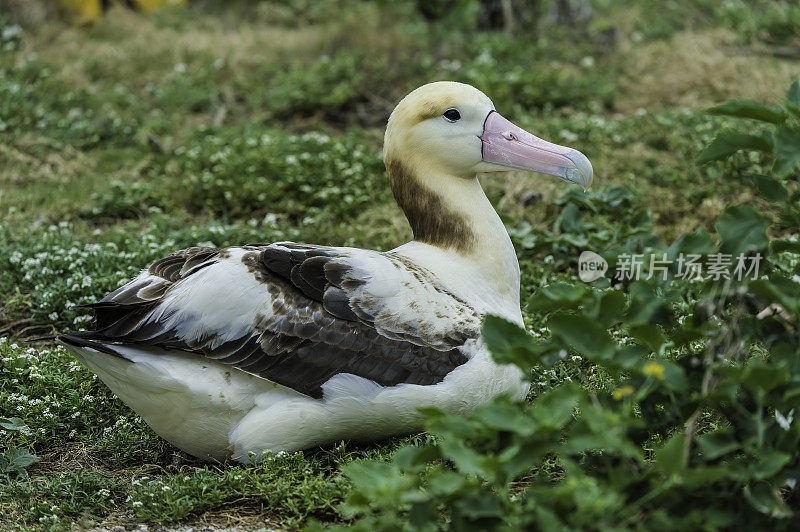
502	416
16	461
729	141
761	376
767	499
584	334
787	151
647	305
553	409
557	296
649	334
793	98
12	423
411	456
501	335
717	443
446	483
452	426
570	220
696	243
778	289
465	459
671	458
674	377
742	229
612	307
770	189
750	109
769	464
475	508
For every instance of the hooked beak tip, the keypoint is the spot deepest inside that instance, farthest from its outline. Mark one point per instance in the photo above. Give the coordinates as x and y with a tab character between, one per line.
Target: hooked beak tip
582	174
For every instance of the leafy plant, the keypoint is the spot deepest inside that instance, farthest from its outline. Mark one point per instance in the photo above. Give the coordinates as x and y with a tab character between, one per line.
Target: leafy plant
693	428
780	139
15	461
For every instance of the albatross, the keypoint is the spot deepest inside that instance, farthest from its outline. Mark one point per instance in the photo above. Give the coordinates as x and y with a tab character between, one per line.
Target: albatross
236	352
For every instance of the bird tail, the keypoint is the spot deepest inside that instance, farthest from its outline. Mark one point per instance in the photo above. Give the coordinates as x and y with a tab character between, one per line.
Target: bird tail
82	340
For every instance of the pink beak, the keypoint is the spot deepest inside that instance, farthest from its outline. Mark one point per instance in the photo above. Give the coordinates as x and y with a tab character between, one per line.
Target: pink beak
509	145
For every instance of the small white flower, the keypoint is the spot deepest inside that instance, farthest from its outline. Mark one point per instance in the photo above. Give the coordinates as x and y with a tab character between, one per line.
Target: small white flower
784	421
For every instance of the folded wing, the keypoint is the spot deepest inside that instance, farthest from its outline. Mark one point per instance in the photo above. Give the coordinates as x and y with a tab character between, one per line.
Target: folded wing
294	314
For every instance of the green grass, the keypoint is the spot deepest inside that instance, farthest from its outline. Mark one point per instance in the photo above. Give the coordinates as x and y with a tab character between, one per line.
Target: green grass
248	122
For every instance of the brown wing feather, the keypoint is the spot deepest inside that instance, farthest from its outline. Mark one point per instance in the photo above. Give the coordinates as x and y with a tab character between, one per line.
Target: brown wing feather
312	334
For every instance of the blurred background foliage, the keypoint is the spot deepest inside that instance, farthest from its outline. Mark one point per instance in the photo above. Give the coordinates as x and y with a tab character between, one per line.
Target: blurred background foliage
128	131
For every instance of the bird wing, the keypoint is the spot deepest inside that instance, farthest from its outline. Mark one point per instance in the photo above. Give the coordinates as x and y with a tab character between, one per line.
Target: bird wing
294	314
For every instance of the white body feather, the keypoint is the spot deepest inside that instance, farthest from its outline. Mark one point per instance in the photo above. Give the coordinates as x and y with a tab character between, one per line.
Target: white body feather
216	411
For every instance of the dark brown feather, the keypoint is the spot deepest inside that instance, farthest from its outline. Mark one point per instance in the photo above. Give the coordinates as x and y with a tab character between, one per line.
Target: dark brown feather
313	333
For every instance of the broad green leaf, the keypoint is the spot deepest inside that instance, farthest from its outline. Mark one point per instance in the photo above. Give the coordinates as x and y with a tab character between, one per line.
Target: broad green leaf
600	428
778	289
787	152
557	296
476	508
465	459
671	457
649	334
570	220
553	409
367	474
647	305
16	460
767	499
584	334
742	229
793	98
503	416
411	456
446	483
750	109
523	456
770	188
717	443
769	464
729	141
763	377
674	377
12	423
452	426
697	476
612	307
547	520
629	357
500	335
696	243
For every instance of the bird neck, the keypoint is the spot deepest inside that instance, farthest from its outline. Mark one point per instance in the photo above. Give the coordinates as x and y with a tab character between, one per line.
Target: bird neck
453	214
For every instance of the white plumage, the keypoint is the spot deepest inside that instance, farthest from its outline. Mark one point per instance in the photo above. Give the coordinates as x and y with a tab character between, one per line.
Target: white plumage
280	347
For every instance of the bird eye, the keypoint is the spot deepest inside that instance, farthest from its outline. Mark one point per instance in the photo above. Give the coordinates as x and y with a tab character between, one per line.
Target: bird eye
452	114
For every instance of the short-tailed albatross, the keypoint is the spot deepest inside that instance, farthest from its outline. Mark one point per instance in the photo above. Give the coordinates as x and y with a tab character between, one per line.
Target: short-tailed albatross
279	347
